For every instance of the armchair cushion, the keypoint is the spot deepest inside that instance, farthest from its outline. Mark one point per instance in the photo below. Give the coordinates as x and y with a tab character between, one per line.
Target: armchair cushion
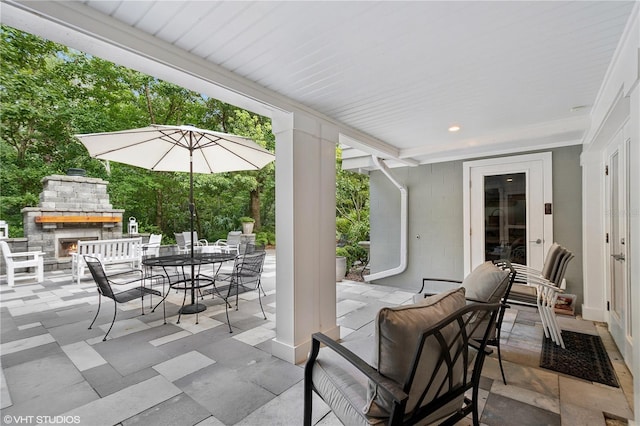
487	283
342	385
397	334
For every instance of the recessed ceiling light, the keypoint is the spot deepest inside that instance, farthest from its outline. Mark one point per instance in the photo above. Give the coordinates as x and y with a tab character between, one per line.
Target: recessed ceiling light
454	128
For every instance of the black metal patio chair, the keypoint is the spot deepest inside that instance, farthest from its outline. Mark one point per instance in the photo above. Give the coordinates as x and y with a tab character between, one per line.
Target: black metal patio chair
245	275
426	367
491	282
104	285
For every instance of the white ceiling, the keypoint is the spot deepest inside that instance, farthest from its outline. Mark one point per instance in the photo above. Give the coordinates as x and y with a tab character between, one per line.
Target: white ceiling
509	73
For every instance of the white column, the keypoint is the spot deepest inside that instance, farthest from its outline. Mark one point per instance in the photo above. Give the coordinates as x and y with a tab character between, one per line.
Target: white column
305	234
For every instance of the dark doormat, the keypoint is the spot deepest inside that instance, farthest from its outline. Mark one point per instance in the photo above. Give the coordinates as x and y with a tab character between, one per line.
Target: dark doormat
584	357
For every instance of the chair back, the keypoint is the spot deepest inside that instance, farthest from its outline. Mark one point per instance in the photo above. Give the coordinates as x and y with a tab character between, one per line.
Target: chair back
180	240
186	235
234	238
506	265
248	267
152	248
445	350
491	286
99	276
550	262
252	248
561	267
6	253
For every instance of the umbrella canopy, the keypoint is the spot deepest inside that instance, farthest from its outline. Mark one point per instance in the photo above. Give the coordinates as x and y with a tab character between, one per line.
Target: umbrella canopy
179	149
171	148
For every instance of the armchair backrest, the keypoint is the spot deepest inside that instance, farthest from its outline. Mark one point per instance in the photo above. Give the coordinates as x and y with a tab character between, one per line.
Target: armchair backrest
155	239
234	238
99	276
550	262
180	240
6	252
187	237
425	347
248	267
152	248
561	266
451	340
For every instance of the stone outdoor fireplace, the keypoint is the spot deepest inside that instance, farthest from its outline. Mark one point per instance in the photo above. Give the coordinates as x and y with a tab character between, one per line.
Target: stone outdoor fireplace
71	208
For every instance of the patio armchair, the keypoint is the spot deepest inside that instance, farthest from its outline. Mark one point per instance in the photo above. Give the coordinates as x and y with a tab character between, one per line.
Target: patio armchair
245	275
104	284
22	260
491	282
552	273
181	243
152	248
542	288
426	366
231	244
198	241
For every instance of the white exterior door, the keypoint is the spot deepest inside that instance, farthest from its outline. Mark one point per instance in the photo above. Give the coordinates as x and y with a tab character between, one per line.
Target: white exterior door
617	218
507	209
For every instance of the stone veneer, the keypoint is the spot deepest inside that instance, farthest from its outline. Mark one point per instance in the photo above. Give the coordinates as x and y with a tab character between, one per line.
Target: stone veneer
69	196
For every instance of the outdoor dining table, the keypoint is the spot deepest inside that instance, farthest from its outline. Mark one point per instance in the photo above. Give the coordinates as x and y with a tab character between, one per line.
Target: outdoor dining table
195	279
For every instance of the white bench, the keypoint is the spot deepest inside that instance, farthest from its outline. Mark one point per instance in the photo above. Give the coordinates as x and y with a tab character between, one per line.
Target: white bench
110	252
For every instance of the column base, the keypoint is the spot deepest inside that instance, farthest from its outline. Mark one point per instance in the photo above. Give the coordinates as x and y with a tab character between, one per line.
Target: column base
298	354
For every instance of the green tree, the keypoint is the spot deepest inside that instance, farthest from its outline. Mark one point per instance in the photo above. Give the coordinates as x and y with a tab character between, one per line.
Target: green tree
50	92
352	212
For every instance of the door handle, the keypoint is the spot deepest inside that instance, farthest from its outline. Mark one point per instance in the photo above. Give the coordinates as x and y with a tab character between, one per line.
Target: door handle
538	241
619	257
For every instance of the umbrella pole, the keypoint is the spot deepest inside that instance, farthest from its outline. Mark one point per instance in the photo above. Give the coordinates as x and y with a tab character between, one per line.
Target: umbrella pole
193	308
192	209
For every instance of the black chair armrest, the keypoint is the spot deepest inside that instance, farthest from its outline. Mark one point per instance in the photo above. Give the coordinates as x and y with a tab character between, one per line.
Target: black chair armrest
443	280
475	345
390	387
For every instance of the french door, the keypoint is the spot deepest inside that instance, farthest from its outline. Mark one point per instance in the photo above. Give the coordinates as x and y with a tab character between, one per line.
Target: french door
617	218
508	210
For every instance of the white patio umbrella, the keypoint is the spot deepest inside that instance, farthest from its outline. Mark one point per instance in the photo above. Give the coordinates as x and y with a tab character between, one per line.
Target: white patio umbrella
178	149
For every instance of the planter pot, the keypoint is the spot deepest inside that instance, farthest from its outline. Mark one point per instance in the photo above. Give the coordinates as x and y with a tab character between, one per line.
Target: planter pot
341	268
247	227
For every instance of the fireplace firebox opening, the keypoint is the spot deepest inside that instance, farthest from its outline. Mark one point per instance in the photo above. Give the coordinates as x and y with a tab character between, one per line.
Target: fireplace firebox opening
70	245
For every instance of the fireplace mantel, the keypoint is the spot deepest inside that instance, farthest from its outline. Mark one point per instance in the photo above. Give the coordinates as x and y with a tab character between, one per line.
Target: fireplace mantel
78	219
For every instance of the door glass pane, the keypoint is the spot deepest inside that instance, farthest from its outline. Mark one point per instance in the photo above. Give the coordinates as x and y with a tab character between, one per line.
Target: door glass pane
505	221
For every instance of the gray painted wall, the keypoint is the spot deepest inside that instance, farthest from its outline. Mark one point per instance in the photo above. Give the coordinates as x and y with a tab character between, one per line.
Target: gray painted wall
435	236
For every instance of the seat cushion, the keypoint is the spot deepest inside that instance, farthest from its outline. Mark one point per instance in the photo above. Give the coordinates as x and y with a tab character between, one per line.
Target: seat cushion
486	283
397	334
342	386
524	294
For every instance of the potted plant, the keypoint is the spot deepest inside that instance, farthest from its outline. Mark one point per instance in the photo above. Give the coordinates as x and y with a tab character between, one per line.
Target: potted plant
341	263
247	224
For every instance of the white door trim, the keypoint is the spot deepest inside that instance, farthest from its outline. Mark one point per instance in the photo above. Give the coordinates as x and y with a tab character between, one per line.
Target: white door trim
619	327
545	158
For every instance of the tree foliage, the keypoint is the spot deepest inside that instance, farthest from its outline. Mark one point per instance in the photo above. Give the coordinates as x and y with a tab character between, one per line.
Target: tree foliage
352	212
49	93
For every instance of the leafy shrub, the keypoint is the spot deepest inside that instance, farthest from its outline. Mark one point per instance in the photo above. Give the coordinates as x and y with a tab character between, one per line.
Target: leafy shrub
266	238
